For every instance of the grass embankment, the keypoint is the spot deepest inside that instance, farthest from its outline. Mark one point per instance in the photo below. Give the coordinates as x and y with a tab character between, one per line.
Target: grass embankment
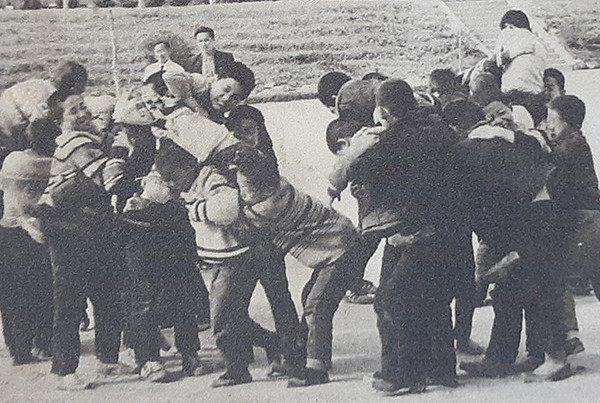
289	45
576	23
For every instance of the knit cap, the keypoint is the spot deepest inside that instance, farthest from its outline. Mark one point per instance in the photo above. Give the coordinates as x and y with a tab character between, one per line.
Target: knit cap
356	101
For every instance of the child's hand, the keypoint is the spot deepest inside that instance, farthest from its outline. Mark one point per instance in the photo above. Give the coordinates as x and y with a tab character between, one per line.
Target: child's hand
135	203
363	140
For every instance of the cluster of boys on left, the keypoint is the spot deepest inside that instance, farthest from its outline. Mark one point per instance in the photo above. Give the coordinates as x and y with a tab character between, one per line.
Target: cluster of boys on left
115	199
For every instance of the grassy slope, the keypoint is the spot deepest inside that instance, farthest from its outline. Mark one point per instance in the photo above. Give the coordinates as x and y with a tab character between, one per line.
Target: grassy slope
576	23
289	45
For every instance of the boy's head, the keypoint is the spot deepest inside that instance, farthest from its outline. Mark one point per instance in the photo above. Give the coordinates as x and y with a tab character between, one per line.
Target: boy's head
554	83
70	78
356	101
443	82
499	114
162	51
515	19
329	86
234	83
102	108
485	88
205	39
157	189
462	115
374	75
248	125
339	132
76	116
394	99
565	115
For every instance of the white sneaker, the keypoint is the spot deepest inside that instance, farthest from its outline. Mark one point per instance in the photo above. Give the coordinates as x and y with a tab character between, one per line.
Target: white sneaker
114	369
153	371
71	382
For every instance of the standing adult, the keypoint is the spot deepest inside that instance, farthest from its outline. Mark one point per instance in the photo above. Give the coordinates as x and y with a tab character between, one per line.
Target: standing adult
210	61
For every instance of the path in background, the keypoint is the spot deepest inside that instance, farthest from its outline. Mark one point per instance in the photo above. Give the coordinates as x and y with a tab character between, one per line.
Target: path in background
482	19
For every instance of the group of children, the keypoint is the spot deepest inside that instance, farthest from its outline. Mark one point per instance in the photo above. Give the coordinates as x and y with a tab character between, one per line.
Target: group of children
120	200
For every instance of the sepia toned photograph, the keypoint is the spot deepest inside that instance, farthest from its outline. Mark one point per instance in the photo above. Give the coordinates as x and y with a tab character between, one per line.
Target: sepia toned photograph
299	200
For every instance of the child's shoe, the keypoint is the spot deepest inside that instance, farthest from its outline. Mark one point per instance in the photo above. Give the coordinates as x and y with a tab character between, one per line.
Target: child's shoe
308	377
231	378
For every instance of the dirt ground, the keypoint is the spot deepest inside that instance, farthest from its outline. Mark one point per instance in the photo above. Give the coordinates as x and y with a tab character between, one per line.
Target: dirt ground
297	129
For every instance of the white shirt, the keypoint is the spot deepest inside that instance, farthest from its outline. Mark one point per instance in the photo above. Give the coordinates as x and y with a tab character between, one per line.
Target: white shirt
525	69
169	66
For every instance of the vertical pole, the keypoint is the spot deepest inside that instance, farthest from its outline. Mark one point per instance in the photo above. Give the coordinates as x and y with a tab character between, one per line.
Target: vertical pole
65	4
460	50
113	43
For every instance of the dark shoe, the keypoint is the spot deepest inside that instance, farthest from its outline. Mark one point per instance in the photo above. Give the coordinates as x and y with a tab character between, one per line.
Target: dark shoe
24	359
308	377
469	347
367	287
487	369
529	364
574	346
232	379
377	375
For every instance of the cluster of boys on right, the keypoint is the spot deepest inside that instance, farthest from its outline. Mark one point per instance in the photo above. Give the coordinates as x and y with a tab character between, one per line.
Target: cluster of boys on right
498	151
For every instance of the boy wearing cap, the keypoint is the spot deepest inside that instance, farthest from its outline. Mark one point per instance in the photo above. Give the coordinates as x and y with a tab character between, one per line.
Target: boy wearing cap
26	286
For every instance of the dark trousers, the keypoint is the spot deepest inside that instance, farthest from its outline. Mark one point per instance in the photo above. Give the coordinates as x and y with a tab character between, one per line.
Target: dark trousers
466	294
231	289
537	288
321	297
25	292
273	278
85	256
161	284
413	313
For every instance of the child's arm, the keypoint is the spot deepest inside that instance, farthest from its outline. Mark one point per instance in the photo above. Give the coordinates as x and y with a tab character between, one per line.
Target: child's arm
213	199
362	141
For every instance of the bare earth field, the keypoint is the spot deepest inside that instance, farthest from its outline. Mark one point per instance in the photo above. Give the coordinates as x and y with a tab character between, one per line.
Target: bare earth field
297	129
289	44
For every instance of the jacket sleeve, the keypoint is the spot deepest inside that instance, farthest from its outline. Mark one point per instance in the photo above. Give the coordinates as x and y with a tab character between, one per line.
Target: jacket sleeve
214	200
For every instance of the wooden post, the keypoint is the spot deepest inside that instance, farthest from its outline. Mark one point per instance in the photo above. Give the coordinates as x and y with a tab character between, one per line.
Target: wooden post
65	4
113	43
141	3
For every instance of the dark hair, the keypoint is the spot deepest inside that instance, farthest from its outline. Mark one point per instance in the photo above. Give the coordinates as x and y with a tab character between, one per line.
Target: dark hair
339	129
375	75
462	114
158	83
515	17
485	88
446	79
240	73
329	85
162	42
70	78
396	96
233	124
557	75
570	109
201	30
